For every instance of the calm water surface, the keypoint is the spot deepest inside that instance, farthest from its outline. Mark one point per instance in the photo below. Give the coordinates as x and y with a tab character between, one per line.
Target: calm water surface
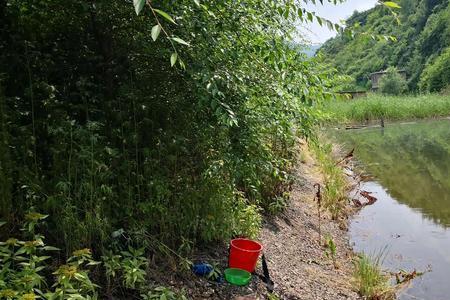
411	166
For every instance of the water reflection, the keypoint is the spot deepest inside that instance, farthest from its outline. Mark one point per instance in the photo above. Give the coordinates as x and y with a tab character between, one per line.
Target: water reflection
412	243
411	164
411	161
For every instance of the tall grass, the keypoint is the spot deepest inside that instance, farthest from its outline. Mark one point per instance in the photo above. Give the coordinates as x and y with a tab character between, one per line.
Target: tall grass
334	192
388	107
371	282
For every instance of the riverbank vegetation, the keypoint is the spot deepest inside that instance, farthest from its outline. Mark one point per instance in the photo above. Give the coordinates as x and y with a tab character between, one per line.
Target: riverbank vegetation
166	131
100	132
146	132
369	278
334	193
371	282
376	106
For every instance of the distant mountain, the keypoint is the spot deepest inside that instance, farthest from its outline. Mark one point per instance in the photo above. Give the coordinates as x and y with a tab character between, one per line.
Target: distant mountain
311	50
422	48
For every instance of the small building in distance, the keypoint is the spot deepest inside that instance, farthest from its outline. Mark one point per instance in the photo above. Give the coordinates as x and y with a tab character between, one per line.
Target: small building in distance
376	76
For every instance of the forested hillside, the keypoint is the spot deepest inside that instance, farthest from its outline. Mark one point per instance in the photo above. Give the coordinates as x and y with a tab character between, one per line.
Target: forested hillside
420	47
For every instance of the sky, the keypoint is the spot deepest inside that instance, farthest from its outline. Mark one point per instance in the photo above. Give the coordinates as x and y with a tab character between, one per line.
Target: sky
335	13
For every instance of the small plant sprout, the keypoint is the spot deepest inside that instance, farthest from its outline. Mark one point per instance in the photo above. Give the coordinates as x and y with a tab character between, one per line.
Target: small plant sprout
134	266
330	250
215	273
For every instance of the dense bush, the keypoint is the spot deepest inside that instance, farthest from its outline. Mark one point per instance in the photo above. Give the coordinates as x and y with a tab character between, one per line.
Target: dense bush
101	133
436	76
392	83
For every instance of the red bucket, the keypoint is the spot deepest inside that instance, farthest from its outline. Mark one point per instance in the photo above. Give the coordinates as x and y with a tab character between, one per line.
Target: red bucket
244	254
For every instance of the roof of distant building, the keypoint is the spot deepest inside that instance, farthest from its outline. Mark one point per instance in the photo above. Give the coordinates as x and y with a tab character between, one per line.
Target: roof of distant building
384	72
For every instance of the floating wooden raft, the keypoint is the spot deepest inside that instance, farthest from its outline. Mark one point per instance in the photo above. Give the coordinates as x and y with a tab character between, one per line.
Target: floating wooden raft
355	127
349	127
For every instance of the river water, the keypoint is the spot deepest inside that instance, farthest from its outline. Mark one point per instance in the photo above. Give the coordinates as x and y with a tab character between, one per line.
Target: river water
410	163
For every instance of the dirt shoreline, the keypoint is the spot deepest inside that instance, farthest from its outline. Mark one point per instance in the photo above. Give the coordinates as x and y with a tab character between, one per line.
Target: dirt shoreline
300	268
298	264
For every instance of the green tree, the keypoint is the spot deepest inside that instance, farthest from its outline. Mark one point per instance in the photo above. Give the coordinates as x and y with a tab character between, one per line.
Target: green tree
392	83
436	75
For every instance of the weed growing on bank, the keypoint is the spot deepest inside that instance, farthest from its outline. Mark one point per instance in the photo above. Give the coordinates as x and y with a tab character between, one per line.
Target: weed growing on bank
370	281
335	185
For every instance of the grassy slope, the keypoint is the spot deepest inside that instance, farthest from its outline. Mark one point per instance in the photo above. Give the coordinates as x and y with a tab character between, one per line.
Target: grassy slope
388	107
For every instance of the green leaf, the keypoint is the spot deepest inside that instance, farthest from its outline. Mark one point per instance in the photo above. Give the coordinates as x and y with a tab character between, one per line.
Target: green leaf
319	20
182	65
50	248
391	4
138	5
42	258
156	30
21	251
2	223
180	41
164	15
173	59
330	25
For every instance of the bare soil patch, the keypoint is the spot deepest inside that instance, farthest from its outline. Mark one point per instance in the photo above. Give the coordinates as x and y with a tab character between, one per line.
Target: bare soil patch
297	261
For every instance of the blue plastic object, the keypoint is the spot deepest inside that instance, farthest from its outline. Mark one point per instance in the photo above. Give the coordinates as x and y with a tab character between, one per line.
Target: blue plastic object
202	269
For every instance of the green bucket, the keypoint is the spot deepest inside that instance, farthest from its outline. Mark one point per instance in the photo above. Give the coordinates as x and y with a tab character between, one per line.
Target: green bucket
237	276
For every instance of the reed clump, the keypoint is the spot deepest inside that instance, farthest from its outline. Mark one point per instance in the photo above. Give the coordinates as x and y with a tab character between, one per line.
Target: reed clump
370	280
335	185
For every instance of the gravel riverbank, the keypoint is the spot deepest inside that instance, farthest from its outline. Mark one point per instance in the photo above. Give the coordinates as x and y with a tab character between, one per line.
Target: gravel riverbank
297	261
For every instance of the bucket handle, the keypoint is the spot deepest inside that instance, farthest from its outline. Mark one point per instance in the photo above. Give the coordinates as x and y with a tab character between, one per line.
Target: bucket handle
266	275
